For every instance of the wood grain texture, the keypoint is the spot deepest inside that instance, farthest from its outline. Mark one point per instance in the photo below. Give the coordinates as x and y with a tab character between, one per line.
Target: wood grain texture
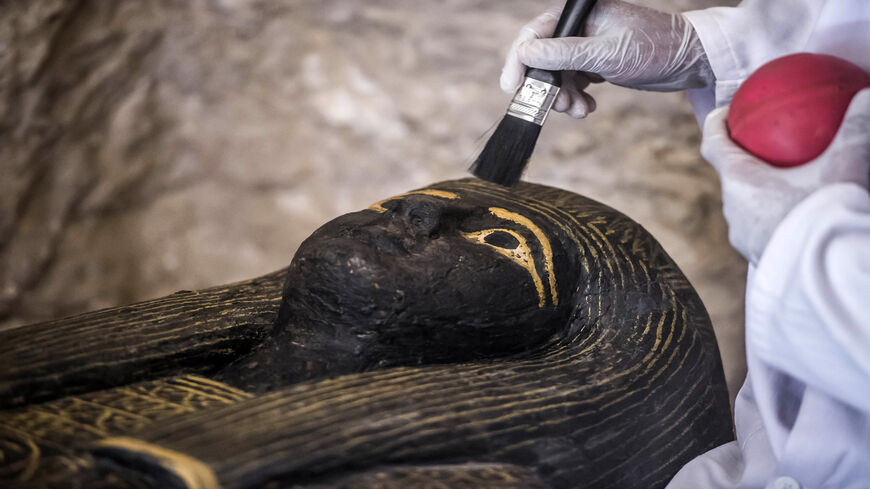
623	393
42	445
630	391
189	331
460	476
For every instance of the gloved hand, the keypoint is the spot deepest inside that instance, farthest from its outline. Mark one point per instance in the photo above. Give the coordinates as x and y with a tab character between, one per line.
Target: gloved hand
628	45
757	196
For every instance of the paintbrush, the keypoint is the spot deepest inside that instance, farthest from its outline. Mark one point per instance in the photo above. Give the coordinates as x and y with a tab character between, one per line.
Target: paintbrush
507	152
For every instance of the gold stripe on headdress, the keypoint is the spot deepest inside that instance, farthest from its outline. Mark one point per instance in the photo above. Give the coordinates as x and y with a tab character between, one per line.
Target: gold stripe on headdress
542	238
194	473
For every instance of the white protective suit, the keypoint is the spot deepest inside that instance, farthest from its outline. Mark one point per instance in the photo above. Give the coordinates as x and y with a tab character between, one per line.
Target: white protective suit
803	415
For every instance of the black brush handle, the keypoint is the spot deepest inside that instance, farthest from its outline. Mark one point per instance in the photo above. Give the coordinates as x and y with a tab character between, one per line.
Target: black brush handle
571	23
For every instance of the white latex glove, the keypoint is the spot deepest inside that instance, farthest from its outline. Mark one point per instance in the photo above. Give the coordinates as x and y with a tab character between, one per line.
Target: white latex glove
628	45
756	197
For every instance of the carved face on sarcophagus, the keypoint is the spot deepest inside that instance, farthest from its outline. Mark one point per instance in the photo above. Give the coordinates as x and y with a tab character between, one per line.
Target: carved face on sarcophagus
460	335
453	272
465	272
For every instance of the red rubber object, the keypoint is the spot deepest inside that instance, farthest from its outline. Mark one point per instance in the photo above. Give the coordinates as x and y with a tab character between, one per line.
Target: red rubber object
789	110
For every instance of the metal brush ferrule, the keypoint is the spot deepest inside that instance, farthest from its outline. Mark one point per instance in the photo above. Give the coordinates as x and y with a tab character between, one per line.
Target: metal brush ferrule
533	100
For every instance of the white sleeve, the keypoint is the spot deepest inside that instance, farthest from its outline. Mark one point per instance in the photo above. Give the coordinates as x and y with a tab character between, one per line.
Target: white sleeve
808	305
740	39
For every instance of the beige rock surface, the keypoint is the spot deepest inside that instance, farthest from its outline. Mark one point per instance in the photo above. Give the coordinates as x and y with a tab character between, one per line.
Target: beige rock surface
151	146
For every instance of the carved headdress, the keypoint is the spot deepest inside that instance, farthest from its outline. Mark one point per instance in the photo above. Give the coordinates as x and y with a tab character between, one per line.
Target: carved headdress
462	334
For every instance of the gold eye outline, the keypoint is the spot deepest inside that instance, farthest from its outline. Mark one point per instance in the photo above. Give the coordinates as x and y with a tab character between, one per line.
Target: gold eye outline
522	254
502	239
523	257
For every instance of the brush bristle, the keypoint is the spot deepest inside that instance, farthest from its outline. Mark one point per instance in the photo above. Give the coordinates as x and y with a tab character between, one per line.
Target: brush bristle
507	152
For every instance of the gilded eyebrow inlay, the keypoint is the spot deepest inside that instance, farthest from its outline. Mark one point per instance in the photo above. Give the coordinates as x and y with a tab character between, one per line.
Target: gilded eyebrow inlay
378	207
542	238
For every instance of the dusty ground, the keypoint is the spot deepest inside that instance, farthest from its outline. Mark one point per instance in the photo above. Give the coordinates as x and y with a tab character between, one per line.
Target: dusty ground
151	146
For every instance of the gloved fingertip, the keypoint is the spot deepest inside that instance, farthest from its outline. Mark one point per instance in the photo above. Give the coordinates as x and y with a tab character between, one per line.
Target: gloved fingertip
717	147
716	121
511	73
860	105
563	102
590	102
579	109
508	82
855	126
862	97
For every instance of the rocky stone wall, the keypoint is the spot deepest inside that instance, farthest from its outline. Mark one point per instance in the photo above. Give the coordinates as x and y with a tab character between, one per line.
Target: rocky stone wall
153	145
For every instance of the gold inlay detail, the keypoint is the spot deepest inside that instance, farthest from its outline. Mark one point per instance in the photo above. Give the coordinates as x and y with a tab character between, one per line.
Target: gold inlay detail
194	473
521	255
377	206
542	239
